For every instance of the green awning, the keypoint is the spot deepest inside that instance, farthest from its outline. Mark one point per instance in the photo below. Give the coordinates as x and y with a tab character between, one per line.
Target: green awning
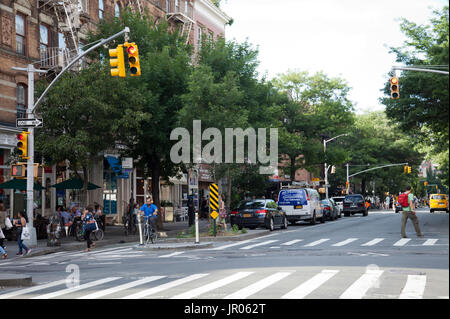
20	184
74	183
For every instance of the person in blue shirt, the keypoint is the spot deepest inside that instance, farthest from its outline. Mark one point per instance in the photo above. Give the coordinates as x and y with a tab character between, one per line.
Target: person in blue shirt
150	212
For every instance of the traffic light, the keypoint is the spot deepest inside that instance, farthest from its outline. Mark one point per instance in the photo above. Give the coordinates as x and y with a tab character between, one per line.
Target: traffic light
409	169
405	169
37	172
333	169
394	88
425	183
117	62
133	59
18	170
22	144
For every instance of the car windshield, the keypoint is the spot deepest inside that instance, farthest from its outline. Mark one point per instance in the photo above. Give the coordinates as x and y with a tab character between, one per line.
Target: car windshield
252	204
438	197
353	199
325	202
338	200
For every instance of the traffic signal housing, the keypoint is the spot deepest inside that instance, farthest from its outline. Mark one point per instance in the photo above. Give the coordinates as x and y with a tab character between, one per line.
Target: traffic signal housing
405	169
22	145
117	62
395	94
409	169
133	59
18	170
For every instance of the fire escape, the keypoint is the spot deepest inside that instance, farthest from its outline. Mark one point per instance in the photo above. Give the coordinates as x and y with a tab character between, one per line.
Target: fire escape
182	15
68	14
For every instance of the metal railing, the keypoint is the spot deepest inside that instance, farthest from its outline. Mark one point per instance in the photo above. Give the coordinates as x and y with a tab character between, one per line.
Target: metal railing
181	8
54	57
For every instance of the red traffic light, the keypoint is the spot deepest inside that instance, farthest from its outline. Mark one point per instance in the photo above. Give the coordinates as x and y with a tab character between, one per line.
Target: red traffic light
131	49
20	137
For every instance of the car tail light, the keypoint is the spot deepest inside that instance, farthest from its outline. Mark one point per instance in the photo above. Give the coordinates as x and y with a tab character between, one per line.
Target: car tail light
234	212
261	212
326	208
307	196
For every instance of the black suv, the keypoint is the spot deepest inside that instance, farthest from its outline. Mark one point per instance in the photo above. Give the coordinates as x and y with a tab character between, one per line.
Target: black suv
353	204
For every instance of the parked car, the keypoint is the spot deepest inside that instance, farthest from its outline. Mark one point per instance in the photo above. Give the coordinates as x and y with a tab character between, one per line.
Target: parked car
337	207
339	200
301	204
258	213
329	209
354	204
438	202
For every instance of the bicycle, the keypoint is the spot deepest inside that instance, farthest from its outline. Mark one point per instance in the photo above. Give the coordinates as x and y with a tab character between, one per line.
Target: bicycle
95	235
127	228
150	234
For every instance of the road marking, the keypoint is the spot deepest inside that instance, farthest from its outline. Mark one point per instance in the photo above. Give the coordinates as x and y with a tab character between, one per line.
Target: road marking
32	289
373	242
112	290
76	288
214	285
414	288
310	285
345	242
168	285
257	286
430	242
172	254
402	242
232	245
360	287
259	244
292	242
317	242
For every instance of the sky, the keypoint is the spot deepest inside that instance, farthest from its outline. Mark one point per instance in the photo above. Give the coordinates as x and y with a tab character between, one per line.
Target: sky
349	39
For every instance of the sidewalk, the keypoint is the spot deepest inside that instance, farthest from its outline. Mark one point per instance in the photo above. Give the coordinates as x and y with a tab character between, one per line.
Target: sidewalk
168	239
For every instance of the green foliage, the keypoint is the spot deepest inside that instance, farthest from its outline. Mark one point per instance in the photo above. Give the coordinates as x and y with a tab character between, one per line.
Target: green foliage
244	231
235	229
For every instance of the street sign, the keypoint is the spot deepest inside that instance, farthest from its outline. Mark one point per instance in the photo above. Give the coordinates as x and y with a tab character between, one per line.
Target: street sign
214	200
24	123
214	214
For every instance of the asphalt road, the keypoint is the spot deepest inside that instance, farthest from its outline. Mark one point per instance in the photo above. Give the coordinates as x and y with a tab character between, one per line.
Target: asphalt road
351	258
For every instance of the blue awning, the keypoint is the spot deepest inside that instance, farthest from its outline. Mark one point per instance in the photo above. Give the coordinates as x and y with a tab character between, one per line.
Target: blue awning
116	166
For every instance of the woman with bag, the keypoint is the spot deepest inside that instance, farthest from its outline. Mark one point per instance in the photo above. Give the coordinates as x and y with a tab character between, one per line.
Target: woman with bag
222	212
22	233
89	225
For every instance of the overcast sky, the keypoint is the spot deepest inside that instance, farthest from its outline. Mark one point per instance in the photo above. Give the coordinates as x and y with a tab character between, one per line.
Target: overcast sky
349	39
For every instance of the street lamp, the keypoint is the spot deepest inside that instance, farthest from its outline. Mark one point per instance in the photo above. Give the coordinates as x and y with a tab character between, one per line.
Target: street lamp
326	168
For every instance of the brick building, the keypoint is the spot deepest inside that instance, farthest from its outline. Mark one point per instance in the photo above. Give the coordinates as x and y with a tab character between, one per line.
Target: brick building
48	34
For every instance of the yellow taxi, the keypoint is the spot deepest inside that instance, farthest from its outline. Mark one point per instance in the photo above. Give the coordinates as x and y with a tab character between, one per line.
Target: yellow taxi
438	202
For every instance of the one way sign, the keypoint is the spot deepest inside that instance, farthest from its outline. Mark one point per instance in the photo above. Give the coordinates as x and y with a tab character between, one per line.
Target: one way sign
24	123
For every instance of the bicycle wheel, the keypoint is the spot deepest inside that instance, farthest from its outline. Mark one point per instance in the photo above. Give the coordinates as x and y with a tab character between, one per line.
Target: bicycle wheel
98	234
79	233
154	236
146	234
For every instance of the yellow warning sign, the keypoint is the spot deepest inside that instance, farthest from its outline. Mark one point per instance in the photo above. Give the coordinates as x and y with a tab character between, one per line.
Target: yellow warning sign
214	197
214	214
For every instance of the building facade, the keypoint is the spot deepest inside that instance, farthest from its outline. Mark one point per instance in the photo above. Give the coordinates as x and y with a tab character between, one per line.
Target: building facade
48	34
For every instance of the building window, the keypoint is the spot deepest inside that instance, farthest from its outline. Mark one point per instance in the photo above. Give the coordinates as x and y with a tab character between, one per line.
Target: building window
167	5
101	9
61	41
117	10
186	9
43	39
199	39
21	98
20	34
177	6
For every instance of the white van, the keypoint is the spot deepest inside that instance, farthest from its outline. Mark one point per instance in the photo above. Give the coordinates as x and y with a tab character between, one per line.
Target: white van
301	204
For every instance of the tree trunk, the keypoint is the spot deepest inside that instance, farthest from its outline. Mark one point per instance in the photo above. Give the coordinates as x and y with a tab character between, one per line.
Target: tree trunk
363	187
85	186
228	190
156	170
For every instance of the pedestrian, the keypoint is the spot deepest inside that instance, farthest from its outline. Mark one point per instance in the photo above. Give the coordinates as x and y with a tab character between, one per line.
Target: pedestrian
2	223
89	225
408	211
20	223
2	250
222	213
191	212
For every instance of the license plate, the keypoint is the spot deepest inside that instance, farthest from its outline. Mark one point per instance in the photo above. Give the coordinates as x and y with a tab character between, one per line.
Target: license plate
247	215
298	206
353	206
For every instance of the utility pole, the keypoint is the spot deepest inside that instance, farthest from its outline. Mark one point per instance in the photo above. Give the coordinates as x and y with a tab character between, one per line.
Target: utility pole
325	165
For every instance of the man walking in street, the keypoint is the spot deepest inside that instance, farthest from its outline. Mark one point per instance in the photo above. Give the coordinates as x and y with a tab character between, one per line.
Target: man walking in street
409	212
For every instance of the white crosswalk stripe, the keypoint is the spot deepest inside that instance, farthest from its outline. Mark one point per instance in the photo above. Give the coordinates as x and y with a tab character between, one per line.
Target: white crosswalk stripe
214	285
166	286
32	289
172	254
360	287
345	242
317	242
414	288
402	242
430	242
259	244
76	288
289	243
257	286
373	242
232	245
310	285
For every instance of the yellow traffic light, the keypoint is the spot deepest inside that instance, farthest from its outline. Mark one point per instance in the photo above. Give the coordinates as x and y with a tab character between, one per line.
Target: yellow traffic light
405	169
133	58
409	169
394	88
117	62
18	170
22	144
425	183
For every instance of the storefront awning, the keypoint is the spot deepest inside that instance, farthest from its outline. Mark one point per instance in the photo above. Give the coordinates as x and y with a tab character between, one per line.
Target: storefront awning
20	184
74	183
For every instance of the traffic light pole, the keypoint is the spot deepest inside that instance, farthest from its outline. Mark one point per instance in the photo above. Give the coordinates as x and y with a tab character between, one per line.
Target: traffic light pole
30	115
419	70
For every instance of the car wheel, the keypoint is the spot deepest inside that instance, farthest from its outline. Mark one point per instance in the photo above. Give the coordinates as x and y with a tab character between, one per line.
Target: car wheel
346	214
271	225
313	219
365	213
285	223
323	219
431	211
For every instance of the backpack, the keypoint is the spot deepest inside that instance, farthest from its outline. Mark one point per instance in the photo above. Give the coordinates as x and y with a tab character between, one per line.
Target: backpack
403	200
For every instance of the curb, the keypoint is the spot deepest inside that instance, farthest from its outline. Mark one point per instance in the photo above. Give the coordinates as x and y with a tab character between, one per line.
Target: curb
15	280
